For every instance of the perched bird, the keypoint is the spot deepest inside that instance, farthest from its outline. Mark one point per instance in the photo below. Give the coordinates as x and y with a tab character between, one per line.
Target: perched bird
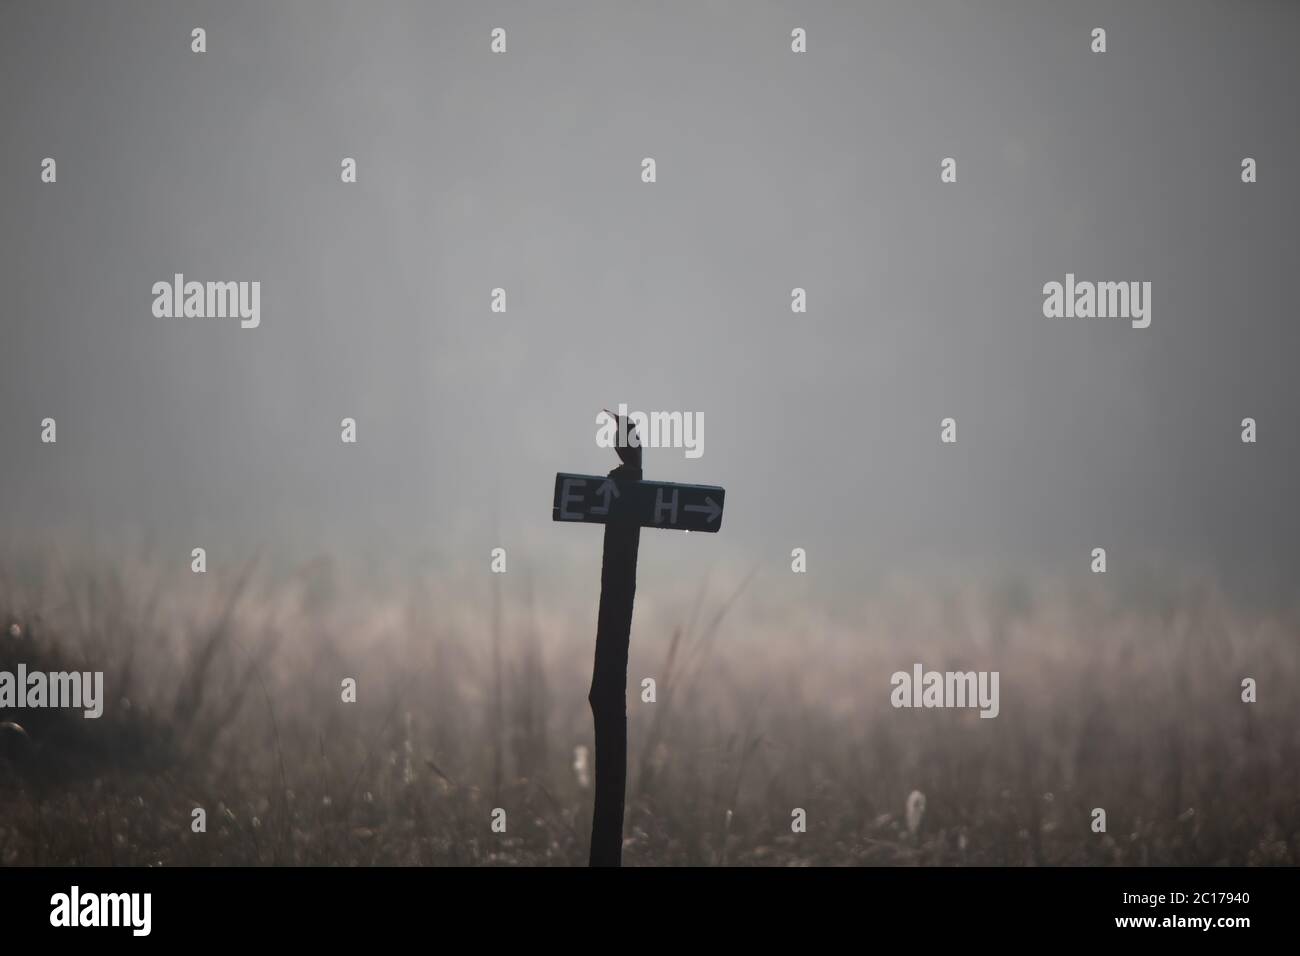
629	454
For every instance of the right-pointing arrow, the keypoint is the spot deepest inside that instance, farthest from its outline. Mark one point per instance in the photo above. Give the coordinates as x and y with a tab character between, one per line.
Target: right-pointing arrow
710	507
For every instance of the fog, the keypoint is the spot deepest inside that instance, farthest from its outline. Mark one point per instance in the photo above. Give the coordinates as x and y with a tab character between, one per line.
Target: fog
775	170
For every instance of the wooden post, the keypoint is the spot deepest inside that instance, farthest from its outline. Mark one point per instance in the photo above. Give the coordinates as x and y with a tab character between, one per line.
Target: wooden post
608	696
624	504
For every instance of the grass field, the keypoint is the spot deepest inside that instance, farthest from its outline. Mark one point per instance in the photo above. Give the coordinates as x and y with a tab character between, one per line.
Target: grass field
226	696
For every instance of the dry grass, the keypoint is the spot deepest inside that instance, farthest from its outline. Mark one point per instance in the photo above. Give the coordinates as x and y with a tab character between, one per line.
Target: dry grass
223	693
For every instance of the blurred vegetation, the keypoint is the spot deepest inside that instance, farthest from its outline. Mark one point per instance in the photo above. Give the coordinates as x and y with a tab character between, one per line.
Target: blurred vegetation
223	692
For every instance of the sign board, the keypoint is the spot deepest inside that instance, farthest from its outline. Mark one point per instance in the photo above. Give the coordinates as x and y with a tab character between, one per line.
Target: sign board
597	499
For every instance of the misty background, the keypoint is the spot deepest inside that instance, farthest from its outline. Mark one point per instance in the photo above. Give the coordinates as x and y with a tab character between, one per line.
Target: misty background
775	170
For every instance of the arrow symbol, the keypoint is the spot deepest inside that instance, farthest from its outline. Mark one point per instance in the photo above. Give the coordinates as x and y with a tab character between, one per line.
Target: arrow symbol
609	490
710	507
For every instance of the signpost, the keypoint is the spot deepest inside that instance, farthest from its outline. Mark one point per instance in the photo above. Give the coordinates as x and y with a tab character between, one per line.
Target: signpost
624	504
647	504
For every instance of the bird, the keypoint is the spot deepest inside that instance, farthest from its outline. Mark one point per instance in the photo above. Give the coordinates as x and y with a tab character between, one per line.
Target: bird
629	454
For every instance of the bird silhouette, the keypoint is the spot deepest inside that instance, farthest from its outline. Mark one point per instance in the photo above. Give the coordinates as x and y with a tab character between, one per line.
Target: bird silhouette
629	454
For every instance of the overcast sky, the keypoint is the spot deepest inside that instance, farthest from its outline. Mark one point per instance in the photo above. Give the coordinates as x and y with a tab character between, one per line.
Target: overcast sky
775	170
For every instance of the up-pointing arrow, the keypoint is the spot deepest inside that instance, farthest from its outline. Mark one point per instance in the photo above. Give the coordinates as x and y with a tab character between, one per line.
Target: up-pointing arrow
608	490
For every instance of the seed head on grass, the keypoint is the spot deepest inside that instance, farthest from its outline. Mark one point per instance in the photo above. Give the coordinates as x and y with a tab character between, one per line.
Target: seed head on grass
915	811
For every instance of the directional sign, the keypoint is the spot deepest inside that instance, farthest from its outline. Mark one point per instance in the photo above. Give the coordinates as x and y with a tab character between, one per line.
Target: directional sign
649	504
